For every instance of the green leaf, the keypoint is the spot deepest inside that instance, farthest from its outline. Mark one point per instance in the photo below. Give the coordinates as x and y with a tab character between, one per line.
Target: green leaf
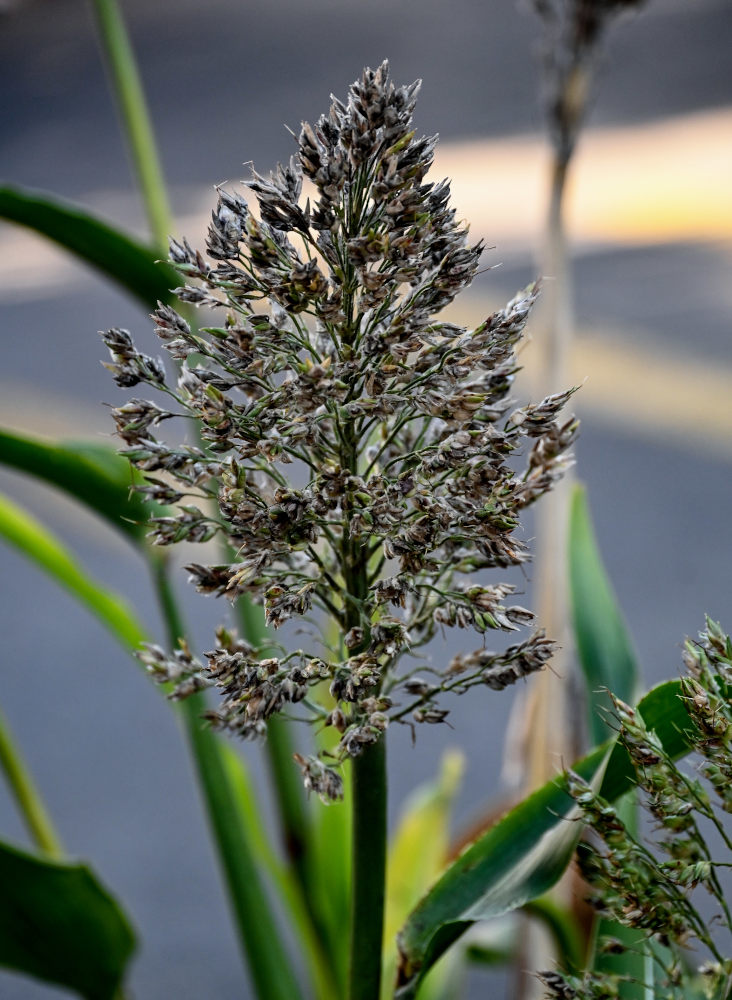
608	663
268	961
292	814
663	713
59	924
604	647
328	863
495	942
517	860
562	924
91	473
317	869
121	258
272	974
417	855
524	854
280	876
41	547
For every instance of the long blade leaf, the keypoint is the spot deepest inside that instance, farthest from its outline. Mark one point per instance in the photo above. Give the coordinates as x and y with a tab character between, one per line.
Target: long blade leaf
271	971
605	650
59	924
280	875
417	855
238	855
126	261
269	965
91	473
43	548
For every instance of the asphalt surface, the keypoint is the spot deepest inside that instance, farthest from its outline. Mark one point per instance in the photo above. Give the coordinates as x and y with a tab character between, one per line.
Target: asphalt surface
223	78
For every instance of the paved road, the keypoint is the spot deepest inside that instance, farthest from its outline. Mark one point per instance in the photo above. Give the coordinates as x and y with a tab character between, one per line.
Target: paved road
223	78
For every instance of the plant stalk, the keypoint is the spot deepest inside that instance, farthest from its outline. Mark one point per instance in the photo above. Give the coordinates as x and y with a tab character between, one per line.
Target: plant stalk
128	90
551	737
27	797
549	704
268	963
368	787
369	871
289	797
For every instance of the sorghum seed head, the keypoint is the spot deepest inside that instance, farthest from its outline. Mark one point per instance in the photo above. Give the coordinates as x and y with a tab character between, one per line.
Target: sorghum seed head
354	449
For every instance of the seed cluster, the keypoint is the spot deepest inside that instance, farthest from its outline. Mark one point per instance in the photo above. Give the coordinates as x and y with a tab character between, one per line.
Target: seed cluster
650	887
356	450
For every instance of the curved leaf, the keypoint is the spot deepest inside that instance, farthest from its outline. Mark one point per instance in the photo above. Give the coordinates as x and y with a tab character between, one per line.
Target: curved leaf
272	973
563	927
121	258
295	822
664	713
279	875
58	923
604	647
525	853
493	943
91	473
328	870
273	976
38	544
418	854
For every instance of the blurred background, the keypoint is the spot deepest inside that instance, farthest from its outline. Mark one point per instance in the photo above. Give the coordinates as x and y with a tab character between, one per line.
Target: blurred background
650	224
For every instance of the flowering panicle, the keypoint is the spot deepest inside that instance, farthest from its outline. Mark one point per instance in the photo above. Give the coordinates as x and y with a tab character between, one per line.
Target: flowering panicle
651	888
331	358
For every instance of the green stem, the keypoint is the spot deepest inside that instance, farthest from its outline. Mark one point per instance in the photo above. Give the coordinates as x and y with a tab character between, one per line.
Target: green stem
127	87
294	821
269	965
254	921
369	871
26	795
369	799
289	796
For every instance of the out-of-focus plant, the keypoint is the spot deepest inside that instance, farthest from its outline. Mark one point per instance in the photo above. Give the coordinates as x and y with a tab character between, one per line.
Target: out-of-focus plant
571	42
546	718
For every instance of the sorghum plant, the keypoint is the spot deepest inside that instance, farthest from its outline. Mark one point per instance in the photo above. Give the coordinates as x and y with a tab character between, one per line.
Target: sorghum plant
650	886
355	449
573	31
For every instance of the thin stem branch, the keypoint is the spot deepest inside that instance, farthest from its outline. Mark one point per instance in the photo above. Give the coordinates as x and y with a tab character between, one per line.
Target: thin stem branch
289	797
269	965
27	797
128	89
